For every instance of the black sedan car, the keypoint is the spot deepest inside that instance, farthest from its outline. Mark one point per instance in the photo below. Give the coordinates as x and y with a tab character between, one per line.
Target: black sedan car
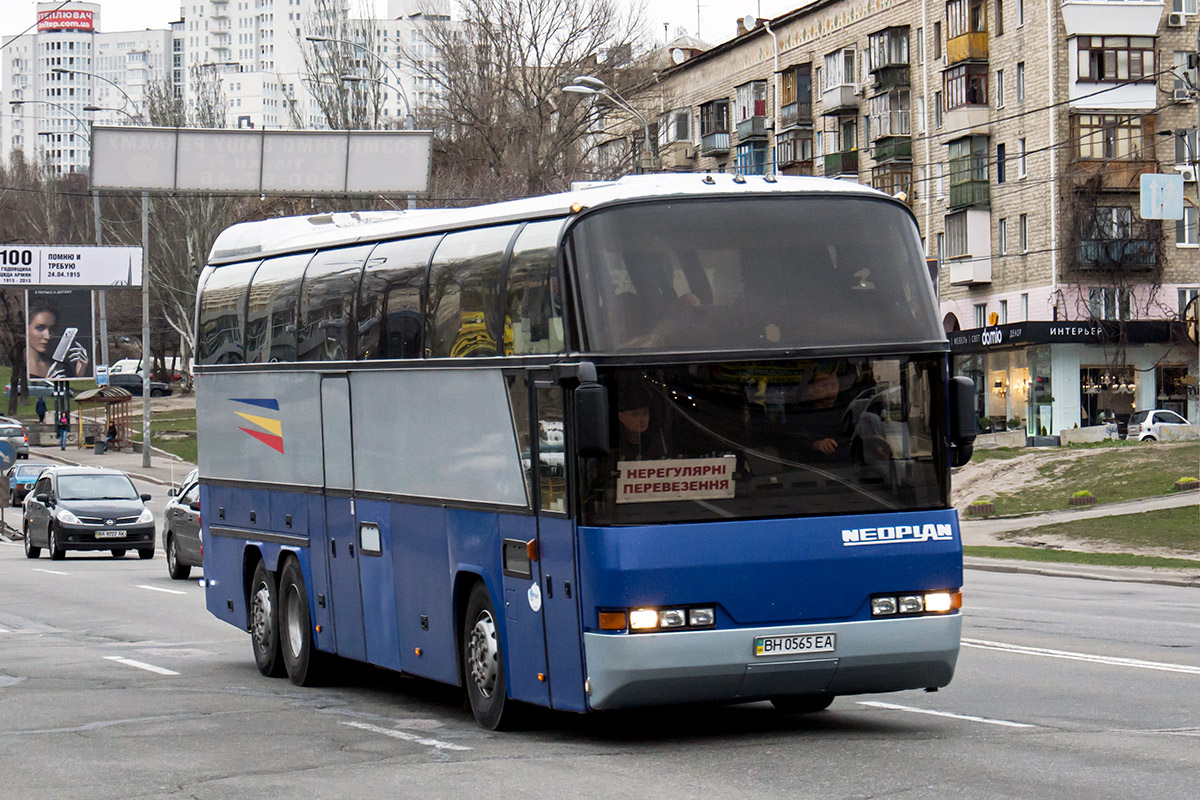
181	529
87	508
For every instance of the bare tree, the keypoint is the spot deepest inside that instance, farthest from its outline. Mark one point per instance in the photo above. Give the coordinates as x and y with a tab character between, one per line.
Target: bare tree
504	126
343	70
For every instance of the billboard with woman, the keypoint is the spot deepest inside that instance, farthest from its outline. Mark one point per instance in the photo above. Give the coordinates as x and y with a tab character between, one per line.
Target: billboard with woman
59	337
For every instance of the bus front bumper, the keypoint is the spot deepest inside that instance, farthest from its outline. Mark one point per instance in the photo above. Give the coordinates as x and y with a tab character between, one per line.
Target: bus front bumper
628	670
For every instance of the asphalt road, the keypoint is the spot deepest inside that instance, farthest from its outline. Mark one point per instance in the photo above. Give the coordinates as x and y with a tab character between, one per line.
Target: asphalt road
116	683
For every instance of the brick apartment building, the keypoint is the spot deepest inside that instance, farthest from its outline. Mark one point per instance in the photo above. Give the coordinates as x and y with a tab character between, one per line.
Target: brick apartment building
1018	131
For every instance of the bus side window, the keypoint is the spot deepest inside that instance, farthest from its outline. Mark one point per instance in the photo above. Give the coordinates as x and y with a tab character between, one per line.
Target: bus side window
391	264
533	309
222	313
327	302
271	309
552	450
464	294
402	321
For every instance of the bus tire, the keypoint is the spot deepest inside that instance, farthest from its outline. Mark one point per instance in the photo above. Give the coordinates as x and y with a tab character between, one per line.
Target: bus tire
801	703
264	622
483	662
303	662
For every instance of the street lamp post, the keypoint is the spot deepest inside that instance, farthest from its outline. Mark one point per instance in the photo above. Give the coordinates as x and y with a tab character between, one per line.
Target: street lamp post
408	116
587	84
129	100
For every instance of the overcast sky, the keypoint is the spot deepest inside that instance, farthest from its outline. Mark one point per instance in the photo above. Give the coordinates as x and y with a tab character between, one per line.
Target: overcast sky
718	18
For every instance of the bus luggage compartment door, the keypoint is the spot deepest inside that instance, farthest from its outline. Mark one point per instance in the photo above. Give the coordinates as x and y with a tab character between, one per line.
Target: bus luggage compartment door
340	519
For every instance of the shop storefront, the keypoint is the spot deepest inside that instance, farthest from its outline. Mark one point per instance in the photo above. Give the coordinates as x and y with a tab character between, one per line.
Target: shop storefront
1044	377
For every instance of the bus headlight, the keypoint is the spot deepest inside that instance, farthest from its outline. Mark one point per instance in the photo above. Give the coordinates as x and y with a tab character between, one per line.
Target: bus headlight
659	619
940	602
641	619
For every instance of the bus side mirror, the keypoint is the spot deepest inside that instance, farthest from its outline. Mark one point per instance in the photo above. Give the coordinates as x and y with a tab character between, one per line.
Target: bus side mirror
962	420
591	419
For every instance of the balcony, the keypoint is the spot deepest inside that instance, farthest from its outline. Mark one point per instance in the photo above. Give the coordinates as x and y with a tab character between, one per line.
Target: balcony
892	149
970	193
968	47
1117	175
712	144
839	100
837	164
752	128
1124	18
1116	254
891	77
970	271
890	123
796	168
965	121
795	114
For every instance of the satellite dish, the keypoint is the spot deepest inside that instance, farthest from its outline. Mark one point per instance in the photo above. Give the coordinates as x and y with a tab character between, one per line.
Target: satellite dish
678	56
750	21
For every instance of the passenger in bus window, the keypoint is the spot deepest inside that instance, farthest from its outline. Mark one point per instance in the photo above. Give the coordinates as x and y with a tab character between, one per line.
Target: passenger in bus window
822	421
641	432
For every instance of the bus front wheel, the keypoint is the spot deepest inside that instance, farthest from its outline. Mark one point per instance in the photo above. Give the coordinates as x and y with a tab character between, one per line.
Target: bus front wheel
304	663
264	622
483	662
802	703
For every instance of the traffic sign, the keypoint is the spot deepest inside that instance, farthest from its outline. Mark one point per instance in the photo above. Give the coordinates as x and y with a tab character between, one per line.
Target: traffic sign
8	455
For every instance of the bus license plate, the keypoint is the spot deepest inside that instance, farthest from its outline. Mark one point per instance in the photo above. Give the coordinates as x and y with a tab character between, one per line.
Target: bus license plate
796	644
110	534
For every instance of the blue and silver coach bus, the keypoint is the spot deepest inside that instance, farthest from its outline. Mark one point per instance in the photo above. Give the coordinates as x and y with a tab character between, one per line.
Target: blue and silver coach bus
670	439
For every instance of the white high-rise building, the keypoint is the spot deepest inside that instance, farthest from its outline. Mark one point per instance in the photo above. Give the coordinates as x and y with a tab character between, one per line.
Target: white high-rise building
67	74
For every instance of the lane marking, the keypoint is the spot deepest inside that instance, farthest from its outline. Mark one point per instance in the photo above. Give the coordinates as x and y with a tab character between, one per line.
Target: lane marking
129	662
1113	661
893	707
406	736
159	589
50	571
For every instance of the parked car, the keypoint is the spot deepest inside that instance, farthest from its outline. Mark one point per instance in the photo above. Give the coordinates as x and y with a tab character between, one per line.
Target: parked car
133	383
38	387
21	478
1157	425
133	366
86	508
14	434
181	529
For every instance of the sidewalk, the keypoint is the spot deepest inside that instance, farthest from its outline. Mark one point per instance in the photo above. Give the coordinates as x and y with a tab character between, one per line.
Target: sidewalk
164	469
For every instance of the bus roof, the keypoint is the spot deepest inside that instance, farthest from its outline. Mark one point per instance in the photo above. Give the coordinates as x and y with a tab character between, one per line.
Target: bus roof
251	240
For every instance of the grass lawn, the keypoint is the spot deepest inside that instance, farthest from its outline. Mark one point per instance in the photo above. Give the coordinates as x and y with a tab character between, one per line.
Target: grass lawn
1174	529
1121	472
1075	557
173	431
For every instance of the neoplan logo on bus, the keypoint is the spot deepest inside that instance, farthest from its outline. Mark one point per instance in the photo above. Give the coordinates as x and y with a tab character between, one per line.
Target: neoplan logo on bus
897	534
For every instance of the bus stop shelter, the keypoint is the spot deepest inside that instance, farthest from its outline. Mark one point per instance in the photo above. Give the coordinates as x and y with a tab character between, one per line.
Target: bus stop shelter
118	416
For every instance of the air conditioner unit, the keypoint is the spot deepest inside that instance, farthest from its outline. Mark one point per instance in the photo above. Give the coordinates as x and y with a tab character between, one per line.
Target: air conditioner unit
1183	95
689	152
1188	173
1176	19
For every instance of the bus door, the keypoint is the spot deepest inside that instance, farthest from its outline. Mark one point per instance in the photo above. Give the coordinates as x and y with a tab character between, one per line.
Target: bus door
556	550
339	517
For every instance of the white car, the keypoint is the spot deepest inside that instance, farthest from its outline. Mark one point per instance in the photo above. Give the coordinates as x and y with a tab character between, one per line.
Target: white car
1159	425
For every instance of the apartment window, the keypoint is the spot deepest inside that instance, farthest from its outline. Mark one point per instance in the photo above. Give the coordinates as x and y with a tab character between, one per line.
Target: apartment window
839	69
1023	233
940	181
956	235
1002	236
920	45
1116	58
1024	305
999	17
1186	296
751	100
937	40
980	315
1185	229
937	109
941	246
1022	163
966	85
1109	302
887	48
1109	136
1184	66
1020	81
999	88
1003	312
968	160
1110	222
1000	163
1183	6
921	114
965	16
1020	13
714	117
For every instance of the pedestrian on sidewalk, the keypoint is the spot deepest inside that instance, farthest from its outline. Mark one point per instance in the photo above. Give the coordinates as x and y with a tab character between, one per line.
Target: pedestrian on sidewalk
40	408
64	425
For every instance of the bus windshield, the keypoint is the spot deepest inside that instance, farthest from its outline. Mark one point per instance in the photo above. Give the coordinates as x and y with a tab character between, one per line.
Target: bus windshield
769	273
788	438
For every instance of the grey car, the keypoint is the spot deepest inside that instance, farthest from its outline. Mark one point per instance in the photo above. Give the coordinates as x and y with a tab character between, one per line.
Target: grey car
15	435
181	530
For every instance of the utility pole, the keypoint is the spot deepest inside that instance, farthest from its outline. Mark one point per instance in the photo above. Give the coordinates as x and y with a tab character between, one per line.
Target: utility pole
145	329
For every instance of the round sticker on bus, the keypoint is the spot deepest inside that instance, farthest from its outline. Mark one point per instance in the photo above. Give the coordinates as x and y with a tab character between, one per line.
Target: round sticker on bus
535	597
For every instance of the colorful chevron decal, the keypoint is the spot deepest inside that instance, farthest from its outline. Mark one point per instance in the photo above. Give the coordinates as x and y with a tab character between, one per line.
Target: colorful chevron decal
271	433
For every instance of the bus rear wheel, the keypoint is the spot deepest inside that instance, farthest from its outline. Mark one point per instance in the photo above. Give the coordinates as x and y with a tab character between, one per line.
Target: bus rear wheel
264	622
802	703
304	663
483	662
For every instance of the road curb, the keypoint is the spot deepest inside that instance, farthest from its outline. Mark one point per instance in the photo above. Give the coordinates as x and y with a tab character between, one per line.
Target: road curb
1112	574
136	475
